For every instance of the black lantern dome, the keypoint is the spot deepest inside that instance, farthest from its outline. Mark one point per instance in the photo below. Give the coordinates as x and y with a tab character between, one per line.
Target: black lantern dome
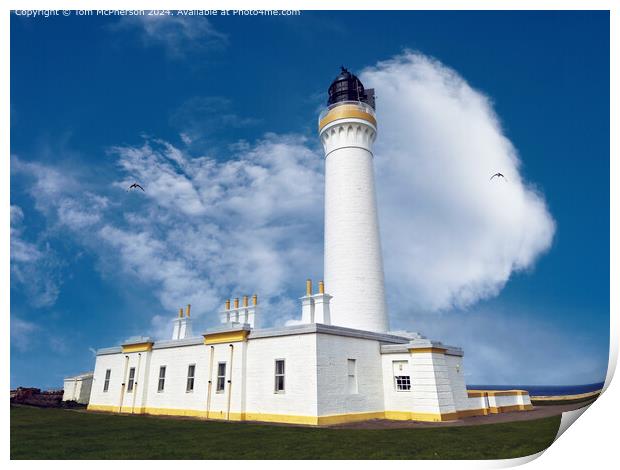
347	87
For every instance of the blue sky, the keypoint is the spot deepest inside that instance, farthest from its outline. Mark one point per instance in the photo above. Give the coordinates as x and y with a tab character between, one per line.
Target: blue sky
217	118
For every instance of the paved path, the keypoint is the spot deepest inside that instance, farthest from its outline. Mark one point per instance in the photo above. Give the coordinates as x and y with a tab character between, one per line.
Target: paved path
537	413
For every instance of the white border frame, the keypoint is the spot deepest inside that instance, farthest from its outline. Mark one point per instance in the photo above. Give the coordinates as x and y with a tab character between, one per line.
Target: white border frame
592	439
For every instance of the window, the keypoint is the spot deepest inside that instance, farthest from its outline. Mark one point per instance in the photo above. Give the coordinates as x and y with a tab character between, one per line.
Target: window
279	385
162	379
106	382
132	376
403	382
191	370
402	379
221	377
351	375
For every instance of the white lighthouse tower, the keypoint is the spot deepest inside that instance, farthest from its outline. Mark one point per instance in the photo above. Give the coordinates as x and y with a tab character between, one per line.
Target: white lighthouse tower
353	264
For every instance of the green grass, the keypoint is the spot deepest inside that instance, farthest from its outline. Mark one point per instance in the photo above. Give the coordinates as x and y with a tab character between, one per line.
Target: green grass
63	434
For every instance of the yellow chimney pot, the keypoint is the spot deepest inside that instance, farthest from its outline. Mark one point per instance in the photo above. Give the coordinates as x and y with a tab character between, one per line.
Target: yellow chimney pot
309	287
227	304
321	287
236	303
245	300
188	309
181	313
254	299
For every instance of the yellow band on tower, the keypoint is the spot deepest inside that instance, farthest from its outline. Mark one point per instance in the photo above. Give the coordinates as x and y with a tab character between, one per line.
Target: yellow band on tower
346	111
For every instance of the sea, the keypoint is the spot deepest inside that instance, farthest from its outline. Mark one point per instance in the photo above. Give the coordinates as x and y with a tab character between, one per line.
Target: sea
543	390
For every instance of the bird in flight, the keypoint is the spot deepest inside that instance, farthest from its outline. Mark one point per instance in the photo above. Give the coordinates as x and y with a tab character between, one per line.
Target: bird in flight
135	185
499	175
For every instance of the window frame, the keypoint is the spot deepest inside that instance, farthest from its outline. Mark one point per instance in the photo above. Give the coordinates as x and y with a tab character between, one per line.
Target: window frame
106	380
131	379
404	385
402	381
352	385
220	382
279	375
161	379
192	377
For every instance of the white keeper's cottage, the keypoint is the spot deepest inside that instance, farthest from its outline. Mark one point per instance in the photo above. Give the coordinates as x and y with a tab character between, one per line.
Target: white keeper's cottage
341	363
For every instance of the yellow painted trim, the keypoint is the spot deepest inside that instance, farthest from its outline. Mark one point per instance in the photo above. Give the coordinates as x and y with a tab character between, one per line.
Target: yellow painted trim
346	111
278	418
413	416
114	409
496	393
350	418
226	337
398	415
311	420
109	408
579	396
221	415
175	412
507	409
503	409
327	420
138	347
427	350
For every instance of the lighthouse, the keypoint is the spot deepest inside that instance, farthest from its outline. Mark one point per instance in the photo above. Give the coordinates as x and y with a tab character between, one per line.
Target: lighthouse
338	363
353	264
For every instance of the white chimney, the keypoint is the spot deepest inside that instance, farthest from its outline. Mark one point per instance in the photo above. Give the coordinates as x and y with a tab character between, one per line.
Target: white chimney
307	304
182	325
244	314
321	306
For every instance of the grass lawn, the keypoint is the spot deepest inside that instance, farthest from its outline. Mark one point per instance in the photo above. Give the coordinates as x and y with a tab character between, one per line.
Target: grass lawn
63	434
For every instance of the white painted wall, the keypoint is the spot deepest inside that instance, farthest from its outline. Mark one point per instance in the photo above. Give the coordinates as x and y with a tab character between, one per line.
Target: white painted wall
353	263
77	389
70	389
300	395
454	367
431	384
396	400
316	379
506	400
115	362
176	361
333	392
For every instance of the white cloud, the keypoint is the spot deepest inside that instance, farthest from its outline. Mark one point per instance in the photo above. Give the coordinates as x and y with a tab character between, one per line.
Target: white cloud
212	229
22	332
33	267
205	229
62	195
21	250
178	35
450	235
